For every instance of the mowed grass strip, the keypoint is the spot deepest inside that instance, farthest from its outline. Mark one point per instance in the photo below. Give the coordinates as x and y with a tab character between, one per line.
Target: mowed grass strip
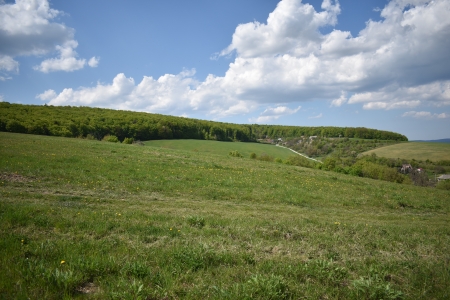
111	221
223	148
415	150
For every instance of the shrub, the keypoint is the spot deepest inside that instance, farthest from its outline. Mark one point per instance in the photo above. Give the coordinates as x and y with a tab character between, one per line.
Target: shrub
110	138
329	164
235	153
253	155
297	160
128	141
278	160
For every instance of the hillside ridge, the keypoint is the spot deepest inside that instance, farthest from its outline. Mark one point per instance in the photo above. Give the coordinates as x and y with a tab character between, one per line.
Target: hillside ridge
96	123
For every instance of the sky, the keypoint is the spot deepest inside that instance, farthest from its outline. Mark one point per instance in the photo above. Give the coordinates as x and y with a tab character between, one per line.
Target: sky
375	63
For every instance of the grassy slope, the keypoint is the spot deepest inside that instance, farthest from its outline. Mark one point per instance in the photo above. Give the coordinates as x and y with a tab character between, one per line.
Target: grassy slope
150	222
416	150
222	148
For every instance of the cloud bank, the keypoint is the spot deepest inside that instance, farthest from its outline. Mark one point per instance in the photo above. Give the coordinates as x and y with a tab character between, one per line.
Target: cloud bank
26	29
399	62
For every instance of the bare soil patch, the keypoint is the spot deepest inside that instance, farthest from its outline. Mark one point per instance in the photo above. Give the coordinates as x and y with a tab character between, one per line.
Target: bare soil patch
12	177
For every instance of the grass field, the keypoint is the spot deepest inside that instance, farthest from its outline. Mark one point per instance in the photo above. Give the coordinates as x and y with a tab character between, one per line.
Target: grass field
89	219
222	148
415	150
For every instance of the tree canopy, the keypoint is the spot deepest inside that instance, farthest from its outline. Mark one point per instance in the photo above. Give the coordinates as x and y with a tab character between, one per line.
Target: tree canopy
70	121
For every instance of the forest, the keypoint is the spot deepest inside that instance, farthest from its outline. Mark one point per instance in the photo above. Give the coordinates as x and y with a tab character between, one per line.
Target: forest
98	123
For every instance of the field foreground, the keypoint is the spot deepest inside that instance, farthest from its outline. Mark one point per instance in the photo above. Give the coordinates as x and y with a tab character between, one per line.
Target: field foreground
92	219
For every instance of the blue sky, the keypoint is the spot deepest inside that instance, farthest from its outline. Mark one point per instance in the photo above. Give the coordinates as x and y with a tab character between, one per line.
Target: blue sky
377	64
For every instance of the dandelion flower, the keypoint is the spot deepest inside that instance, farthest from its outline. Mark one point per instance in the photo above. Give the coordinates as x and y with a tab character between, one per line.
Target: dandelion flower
63	262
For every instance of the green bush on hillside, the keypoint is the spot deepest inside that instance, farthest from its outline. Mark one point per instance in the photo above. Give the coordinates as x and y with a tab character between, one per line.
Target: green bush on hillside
111	139
235	153
300	161
128	141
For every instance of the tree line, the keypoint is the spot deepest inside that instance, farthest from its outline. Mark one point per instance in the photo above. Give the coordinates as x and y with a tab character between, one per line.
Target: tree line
88	122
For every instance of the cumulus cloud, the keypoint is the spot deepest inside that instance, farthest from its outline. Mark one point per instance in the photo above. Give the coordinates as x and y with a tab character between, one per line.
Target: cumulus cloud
167	93
274	113
399	62
93	62
394	96
66	61
26	28
425	115
339	101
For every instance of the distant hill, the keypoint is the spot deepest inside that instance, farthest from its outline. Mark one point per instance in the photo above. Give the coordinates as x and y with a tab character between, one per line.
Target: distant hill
415	150
434	141
88	122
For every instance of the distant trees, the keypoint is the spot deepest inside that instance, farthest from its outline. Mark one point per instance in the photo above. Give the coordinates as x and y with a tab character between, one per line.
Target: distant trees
82	122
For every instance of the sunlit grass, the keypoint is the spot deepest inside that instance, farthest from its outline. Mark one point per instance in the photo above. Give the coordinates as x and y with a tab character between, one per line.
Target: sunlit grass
415	150
81	217
222	148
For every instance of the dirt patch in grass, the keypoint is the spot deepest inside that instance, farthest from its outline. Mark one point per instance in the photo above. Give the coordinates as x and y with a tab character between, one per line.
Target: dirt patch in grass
12	177
88	288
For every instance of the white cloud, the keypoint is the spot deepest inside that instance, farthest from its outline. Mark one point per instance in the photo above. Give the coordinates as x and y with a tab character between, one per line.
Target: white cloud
393	96
339	101
316	117
47	95
168	92
274	113
399	62
290	29
7	63
93	62
26	28
425	115
67	60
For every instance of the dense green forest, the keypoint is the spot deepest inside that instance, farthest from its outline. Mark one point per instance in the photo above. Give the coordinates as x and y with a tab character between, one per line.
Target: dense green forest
87	122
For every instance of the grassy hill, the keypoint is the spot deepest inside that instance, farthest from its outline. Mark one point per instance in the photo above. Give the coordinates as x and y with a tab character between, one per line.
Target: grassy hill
415	150
222	148
82	218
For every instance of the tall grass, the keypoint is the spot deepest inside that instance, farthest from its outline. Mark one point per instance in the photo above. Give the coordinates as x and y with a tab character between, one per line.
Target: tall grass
116	221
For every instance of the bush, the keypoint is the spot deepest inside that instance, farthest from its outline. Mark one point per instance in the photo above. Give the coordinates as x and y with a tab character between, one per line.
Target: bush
253	155
128	141
235	153
111	139
278	160
297	160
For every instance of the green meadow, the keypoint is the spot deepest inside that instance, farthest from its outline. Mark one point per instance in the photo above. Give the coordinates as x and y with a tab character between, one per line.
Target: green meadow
223	148
98	220
415	150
